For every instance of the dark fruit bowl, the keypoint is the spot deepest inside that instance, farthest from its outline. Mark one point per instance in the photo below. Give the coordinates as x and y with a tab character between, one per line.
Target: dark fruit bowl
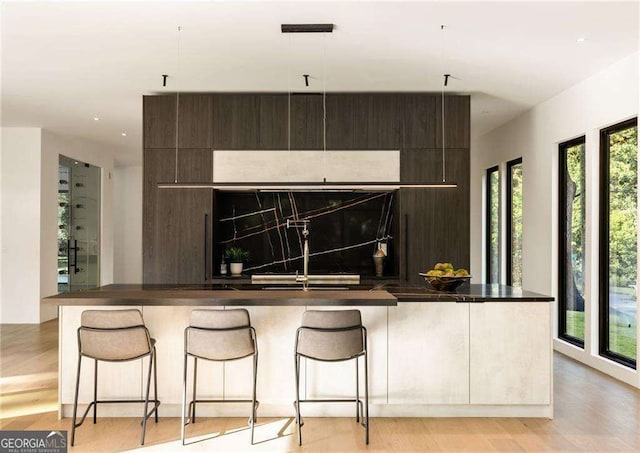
445	283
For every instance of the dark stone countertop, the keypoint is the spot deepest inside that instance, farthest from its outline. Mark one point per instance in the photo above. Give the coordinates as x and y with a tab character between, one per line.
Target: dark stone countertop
465	293
230	293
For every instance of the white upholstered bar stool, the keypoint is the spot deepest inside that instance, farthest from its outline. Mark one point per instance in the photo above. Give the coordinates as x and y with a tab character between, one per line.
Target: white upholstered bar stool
333	336
218	335
115	336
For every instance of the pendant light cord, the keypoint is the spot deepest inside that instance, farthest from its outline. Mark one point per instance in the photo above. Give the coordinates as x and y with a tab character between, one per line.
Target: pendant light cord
324	107
444	165
289	107
177	105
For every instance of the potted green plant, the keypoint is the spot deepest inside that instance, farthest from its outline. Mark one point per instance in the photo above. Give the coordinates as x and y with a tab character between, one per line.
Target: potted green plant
236	256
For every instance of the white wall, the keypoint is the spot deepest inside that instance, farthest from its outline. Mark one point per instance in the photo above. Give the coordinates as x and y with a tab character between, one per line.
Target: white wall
30	218
606	98
127	257
20	227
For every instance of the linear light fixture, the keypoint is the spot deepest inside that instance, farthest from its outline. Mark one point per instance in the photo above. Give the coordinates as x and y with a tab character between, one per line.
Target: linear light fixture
306	186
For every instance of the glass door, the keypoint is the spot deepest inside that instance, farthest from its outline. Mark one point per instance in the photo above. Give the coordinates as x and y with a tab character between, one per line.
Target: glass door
78	225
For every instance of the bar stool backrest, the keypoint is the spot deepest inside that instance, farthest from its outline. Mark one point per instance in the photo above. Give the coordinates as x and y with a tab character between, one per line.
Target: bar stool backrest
220	334
331	335
113	335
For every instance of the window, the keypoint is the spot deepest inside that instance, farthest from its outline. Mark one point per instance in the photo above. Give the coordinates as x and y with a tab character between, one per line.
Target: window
492	227
618	242
571	246
514	222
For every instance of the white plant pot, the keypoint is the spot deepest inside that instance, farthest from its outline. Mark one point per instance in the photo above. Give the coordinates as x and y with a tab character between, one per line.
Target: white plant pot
236	268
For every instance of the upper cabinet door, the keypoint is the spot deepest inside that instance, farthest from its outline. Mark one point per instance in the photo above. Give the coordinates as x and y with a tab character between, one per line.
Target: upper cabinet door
363	121
194	121
418	114
306	121
383	122
236	121
159	128
273	121
457	121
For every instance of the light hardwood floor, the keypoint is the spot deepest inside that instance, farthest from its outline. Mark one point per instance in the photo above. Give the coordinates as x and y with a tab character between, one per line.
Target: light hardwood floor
592	413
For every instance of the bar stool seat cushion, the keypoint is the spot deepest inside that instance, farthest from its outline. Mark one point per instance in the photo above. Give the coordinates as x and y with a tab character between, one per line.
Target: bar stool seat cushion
340	337
120	335
208	339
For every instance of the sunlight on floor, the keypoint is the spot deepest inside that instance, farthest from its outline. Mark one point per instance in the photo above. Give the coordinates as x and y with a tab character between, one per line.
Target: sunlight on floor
277	435
28	394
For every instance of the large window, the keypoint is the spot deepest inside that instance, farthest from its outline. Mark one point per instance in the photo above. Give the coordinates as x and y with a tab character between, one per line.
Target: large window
618	242
571	245
492	227
514	222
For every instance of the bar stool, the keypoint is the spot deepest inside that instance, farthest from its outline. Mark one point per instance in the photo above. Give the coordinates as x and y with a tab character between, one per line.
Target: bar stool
333	336
115	336
218	335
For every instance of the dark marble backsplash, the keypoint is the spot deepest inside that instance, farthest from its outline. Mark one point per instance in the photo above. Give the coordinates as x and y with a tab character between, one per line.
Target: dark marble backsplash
345	229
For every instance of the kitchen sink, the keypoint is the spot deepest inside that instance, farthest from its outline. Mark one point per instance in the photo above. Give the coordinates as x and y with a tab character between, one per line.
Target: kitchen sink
314	279
310	288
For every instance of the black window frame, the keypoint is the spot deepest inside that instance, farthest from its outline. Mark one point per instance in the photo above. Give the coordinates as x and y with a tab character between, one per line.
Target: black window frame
489	172
509	263
562	203
603	265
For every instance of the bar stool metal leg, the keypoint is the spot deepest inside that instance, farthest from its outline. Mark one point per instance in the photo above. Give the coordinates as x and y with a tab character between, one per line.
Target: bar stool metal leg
298	417
95	390
184	397
253	396
146	398
155	381
75	402
357	392
193	401
366	389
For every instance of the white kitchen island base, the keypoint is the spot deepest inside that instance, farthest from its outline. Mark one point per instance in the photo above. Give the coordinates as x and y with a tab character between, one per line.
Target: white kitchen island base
427	359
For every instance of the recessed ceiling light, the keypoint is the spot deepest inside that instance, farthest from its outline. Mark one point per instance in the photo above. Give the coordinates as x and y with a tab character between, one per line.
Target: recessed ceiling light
581	39
95	118
124	134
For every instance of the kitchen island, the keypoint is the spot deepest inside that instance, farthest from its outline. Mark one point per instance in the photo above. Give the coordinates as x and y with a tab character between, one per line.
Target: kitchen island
485	350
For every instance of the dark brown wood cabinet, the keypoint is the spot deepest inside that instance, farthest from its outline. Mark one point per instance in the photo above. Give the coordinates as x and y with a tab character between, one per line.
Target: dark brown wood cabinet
457	124
194	121
236	121
273	129
346	126
160	121
306	122
177	223
418	115
363	121
434	222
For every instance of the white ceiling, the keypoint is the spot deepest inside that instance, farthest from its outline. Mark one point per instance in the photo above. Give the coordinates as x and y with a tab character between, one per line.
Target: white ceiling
65	63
